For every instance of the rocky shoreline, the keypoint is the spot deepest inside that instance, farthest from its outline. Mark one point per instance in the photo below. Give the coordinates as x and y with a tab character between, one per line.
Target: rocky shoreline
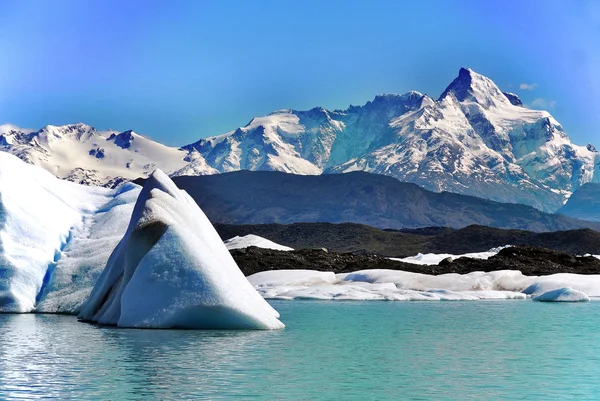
531	261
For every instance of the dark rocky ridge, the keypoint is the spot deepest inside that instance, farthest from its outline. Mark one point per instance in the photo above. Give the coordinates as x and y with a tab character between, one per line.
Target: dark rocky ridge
531	261
350	237
583	203
261	197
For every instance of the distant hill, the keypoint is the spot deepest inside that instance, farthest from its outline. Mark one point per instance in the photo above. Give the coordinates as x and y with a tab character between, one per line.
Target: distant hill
584	203
258	197
350	237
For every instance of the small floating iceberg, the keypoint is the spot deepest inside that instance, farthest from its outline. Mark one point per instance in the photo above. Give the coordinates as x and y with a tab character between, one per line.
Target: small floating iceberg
171	270
566	294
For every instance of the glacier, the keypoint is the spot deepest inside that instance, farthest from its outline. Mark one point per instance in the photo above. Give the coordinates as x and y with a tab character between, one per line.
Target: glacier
171	270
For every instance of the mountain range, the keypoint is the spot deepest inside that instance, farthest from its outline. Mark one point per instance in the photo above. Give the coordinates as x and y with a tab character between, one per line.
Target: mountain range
474	139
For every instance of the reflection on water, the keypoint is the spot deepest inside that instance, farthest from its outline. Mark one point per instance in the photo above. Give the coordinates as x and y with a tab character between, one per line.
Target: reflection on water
329	350
56	356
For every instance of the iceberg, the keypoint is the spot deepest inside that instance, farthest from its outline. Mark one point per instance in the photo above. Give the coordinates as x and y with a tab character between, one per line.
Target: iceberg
171	270
39	216
398	285
84	257
566	294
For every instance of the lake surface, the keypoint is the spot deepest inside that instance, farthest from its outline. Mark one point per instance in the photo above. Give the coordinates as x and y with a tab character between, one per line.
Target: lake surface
329	350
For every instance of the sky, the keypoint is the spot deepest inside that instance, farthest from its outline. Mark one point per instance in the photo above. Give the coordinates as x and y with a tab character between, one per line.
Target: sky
177	71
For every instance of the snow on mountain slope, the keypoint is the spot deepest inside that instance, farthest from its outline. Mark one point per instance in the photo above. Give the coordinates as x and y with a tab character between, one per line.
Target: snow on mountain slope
39	215
171	270
474	140
81	154
286	140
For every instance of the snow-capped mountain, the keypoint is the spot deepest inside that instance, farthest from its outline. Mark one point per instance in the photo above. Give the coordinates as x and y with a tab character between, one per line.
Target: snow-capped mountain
474	140
84	155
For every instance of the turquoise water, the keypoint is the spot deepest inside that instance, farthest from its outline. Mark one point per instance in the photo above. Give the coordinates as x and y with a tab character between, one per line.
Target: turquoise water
329	350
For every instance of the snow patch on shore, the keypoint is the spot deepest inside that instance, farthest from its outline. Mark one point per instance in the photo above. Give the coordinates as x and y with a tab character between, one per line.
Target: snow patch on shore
246	241
436	258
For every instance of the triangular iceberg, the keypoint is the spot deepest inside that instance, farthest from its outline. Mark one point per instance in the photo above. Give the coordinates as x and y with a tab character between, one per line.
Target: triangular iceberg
172	270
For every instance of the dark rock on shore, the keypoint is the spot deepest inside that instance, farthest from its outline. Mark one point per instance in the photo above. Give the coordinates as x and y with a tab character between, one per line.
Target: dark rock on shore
348	237
529	260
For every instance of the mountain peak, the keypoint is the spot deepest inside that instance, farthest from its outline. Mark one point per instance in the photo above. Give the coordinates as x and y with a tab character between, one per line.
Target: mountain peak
470	86
513	98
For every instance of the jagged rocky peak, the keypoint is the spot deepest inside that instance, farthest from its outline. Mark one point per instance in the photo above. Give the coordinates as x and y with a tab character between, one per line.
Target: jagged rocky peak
316	113
391	104
409	99
470	86
14	136
80	132
513	98
123	140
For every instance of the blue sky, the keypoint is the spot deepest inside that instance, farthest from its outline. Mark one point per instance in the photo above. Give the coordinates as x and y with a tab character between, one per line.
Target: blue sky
181	70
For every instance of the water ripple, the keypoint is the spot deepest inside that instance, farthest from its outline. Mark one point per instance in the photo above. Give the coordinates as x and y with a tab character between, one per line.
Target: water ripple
329	350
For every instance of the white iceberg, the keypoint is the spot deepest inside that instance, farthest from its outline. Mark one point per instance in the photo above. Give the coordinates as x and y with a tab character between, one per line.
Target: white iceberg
245	241
39	216
389	285
566	294
398	285
171	270
84	257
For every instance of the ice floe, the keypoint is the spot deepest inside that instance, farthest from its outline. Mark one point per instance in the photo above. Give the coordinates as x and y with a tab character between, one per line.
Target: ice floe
565	294
396	285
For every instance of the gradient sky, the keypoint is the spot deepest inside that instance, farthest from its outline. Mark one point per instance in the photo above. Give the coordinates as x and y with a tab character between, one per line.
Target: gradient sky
179	70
